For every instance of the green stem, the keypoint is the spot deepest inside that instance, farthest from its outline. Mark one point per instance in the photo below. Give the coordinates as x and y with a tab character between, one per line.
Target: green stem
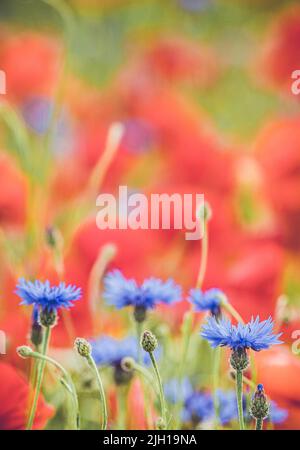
138	326
232	311
39	378
239	396
216	376
147	375
69	385
161	392
101	389
259	424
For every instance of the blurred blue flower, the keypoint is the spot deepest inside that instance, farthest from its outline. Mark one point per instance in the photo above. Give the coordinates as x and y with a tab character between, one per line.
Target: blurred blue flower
121	292
209	300
37	112
277	414
195	5
47	297
228	410
139	136
255	334
174	390
198	407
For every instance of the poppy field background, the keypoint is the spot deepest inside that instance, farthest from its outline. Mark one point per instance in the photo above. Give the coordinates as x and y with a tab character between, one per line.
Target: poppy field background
202	89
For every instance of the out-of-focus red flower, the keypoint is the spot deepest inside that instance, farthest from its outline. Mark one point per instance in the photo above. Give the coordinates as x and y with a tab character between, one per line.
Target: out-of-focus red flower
31	63
136	249
13	193
281	54
14	395
174	59
254	280
279	370
278	150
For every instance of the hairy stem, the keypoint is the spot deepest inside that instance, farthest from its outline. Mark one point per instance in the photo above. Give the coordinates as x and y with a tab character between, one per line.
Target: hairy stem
39	378
101	390
239	396
161	392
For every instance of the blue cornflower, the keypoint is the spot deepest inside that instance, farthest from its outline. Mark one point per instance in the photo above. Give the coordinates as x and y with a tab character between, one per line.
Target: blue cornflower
108	351
46	297
209	300
199	406
121	292
255	334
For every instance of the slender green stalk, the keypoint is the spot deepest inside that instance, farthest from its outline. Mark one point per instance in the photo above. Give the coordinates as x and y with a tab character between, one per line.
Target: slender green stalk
139	326
216	377
101	389
68	384
39	378
232	311
161	392
147	375
239	396
259	424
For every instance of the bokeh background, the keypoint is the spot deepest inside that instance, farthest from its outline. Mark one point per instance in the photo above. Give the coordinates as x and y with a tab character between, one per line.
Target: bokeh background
203	90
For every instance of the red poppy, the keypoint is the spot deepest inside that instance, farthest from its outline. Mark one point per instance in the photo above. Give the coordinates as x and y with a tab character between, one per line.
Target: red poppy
278	149
14	394
281	54
174	59
279	371
13	193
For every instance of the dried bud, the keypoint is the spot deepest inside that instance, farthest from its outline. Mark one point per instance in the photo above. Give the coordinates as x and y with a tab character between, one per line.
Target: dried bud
239	359
83	347
259	408
148	342
48	318
24	351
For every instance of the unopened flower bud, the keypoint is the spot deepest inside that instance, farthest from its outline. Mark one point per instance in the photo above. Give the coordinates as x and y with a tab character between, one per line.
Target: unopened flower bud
259	408
83	347
239	359
148	342
24	351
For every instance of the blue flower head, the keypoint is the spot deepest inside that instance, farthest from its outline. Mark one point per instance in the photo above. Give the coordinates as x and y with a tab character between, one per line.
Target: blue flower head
108	351
46	297
175	390
277	414
121	292
255	334
198	407
209	300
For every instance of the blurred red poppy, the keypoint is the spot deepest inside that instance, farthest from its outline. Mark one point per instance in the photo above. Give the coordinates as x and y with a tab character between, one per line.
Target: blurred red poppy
14	394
